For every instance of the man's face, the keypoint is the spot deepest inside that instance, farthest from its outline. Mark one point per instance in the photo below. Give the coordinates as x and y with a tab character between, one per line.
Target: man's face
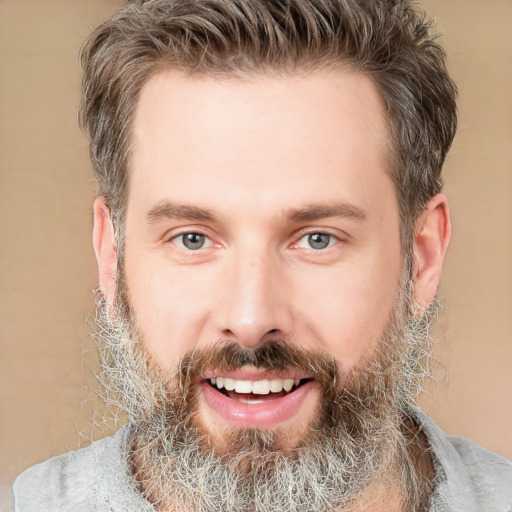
259	333
261	209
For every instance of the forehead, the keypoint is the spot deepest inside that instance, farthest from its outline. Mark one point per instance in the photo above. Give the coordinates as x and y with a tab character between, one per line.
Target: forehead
284	136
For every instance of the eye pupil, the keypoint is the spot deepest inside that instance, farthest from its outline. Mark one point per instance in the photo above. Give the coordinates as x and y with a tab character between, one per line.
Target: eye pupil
193	240
319	240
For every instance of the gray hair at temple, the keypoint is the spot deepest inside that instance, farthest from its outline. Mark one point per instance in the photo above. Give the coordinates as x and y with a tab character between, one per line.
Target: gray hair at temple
390	41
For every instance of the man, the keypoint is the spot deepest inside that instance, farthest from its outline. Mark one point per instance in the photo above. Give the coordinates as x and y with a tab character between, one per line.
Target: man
270	234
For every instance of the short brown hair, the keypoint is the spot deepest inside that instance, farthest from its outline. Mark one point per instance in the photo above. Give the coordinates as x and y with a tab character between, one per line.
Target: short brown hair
388	40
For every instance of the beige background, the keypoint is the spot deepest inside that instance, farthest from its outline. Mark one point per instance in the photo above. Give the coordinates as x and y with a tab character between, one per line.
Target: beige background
47	268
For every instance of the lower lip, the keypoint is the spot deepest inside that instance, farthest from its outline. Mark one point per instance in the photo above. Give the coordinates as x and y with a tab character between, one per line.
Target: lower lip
267	414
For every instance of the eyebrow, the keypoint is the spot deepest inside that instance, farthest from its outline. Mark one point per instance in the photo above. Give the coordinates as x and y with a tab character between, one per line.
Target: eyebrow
168	210
321	211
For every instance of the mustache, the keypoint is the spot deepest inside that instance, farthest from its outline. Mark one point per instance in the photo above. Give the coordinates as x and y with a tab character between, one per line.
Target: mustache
273	355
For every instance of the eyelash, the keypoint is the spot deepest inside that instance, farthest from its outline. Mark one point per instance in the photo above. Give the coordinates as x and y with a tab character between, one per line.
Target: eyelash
178	240
333	239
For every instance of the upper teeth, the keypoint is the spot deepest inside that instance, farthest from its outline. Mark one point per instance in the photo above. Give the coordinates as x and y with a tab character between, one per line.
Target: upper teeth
258	387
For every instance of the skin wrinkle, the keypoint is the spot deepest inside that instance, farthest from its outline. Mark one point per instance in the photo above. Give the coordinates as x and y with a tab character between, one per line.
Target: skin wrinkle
358	436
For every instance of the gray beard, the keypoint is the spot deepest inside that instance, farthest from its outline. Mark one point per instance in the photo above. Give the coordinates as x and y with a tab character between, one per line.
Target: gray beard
357	438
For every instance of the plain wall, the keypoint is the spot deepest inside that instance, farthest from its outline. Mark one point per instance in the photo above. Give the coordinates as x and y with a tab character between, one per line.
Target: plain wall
47	267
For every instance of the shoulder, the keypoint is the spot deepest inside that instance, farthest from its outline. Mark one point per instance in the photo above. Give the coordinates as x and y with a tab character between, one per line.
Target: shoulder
467	477
487	476
474	456
93	478
62	471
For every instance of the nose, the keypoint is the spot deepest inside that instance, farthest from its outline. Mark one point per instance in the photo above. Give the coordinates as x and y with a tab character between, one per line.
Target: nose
256	303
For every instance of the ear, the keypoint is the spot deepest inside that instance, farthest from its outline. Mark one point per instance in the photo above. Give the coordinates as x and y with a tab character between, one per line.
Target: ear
105	248
431	237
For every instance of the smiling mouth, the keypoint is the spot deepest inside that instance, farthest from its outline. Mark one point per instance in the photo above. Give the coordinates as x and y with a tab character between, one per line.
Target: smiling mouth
255	391
250	397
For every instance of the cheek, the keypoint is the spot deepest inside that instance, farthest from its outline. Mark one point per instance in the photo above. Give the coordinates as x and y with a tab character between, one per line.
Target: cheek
347	315
171	307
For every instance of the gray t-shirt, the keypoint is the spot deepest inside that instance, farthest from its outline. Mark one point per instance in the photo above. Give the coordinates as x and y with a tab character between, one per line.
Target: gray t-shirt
96	479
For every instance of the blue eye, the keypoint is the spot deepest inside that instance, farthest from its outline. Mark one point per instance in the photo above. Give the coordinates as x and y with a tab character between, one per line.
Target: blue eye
192	241
319	240
316	241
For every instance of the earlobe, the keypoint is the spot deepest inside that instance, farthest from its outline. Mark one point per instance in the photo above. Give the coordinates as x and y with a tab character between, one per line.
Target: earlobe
105	248
431	239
